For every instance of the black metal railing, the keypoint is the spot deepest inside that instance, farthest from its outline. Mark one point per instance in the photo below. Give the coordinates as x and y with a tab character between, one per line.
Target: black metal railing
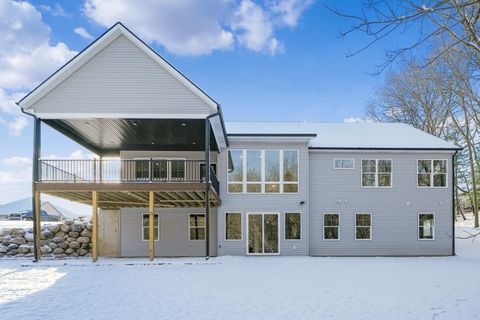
116	170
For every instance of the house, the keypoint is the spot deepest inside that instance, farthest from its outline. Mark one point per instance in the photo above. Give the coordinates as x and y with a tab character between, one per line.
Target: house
182	182
21	209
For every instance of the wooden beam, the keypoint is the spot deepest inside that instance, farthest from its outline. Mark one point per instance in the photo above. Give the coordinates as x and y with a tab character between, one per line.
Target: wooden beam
95	226
151	225
124	186
36	226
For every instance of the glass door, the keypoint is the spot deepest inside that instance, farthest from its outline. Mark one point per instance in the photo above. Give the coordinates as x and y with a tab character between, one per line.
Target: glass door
263	233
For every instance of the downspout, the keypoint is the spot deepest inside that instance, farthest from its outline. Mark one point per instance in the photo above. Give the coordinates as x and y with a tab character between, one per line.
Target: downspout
207	183
35	178
454	185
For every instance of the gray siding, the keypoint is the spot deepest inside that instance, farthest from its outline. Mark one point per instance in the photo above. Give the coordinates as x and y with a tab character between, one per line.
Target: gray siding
121	79
174	233
394	210
280	203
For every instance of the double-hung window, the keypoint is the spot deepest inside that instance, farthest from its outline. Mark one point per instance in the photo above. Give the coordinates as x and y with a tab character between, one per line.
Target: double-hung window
331	225
377	173
426	226
197	226
363	226
146	227
263	171
432	173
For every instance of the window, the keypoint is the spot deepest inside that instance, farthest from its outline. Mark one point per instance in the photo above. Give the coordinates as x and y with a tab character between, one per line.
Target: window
343	163
146	227
142	169
377	173
363	225
197	226
432	173
331	224
426	226
233	226
293	226
161	169
263	171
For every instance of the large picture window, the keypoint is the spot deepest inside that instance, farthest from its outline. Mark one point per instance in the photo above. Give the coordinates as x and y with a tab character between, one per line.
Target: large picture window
293	226
377	173
426	226
263	171
233	226
331	226
432	173
197	226
146	227
363	226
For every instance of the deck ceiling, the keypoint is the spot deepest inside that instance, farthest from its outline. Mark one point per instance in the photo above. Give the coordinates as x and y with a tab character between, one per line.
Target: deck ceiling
107	137
139	199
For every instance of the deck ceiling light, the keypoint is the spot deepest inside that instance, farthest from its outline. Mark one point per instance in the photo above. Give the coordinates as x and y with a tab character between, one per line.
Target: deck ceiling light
184	124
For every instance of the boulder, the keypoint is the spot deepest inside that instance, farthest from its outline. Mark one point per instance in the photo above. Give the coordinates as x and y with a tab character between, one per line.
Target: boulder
58	251
73	234
60	256
3	249
76	227
83	239
28	255
52	245
45	249
69	251
70	239
68	222
46	241
82	252
85	245
63	245
59	239
65	228
54	228
18	240
86	233
74	254
5	238
17	232
46	234
28	236
74	245
60	234
12	246
4	232
13	252
24	248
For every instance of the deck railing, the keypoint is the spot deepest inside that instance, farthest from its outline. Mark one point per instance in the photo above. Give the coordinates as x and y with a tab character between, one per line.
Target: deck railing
117	171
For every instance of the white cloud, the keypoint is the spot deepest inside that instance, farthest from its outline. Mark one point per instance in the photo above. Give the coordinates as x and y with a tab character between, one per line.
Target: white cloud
357	120
192	27
16	161
57	10
16	126
75	155
83	33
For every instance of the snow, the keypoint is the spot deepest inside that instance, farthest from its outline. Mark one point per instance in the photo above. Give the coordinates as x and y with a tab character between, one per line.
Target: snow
23	224
245	288
347	135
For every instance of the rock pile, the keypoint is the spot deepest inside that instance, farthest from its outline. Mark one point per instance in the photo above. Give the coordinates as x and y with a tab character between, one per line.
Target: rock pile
60	240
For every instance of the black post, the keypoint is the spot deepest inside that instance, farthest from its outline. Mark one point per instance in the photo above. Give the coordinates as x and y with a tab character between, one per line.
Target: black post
37	143
207	188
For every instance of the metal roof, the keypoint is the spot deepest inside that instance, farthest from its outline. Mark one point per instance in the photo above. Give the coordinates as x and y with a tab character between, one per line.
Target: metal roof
366	135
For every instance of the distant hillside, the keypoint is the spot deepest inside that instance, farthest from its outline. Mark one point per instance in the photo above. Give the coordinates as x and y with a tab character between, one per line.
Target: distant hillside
26	204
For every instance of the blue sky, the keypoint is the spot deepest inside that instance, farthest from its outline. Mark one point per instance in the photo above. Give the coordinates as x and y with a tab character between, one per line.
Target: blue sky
272	60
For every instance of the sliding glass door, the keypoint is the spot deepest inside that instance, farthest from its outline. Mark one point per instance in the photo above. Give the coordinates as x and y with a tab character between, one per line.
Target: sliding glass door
263	233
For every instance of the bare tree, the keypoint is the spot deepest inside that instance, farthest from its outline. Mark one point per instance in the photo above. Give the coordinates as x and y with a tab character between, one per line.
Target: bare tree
455	23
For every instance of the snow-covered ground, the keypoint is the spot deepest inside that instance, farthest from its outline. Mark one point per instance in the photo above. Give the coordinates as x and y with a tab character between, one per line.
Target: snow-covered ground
245	288
22	224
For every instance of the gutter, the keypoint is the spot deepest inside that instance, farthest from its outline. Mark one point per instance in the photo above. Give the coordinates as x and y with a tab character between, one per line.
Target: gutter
454	184
386	149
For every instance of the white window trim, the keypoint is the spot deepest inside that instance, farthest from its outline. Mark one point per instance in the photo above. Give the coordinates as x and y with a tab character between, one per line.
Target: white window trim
263	233
158	226
262	181
335	160
376	175
431	174
371	226
418	226
338	227
285	226
241	226
190	227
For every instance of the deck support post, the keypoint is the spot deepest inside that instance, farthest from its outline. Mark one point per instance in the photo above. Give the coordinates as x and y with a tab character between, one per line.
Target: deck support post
207	188
36	203
94	226
151	225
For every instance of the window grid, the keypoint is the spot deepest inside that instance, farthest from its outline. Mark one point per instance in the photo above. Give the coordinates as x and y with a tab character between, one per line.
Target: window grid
376	173
426	226
331	226
146	227
363	226
432	173
196	226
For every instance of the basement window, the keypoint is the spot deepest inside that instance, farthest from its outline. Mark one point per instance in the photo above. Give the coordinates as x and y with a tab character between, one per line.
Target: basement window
146	227
426	226
363	226
331	226
197	226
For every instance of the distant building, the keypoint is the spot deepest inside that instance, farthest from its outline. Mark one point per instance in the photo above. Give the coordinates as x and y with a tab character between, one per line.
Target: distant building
15	210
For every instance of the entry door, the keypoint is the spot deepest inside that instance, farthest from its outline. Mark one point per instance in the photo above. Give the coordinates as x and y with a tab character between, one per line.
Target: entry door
263	234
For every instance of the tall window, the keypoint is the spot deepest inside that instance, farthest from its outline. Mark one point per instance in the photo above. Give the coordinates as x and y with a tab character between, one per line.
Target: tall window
432	173
146	227
331	225
426	226
233	226
197	226
293	226
363	226
377	173
263	171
